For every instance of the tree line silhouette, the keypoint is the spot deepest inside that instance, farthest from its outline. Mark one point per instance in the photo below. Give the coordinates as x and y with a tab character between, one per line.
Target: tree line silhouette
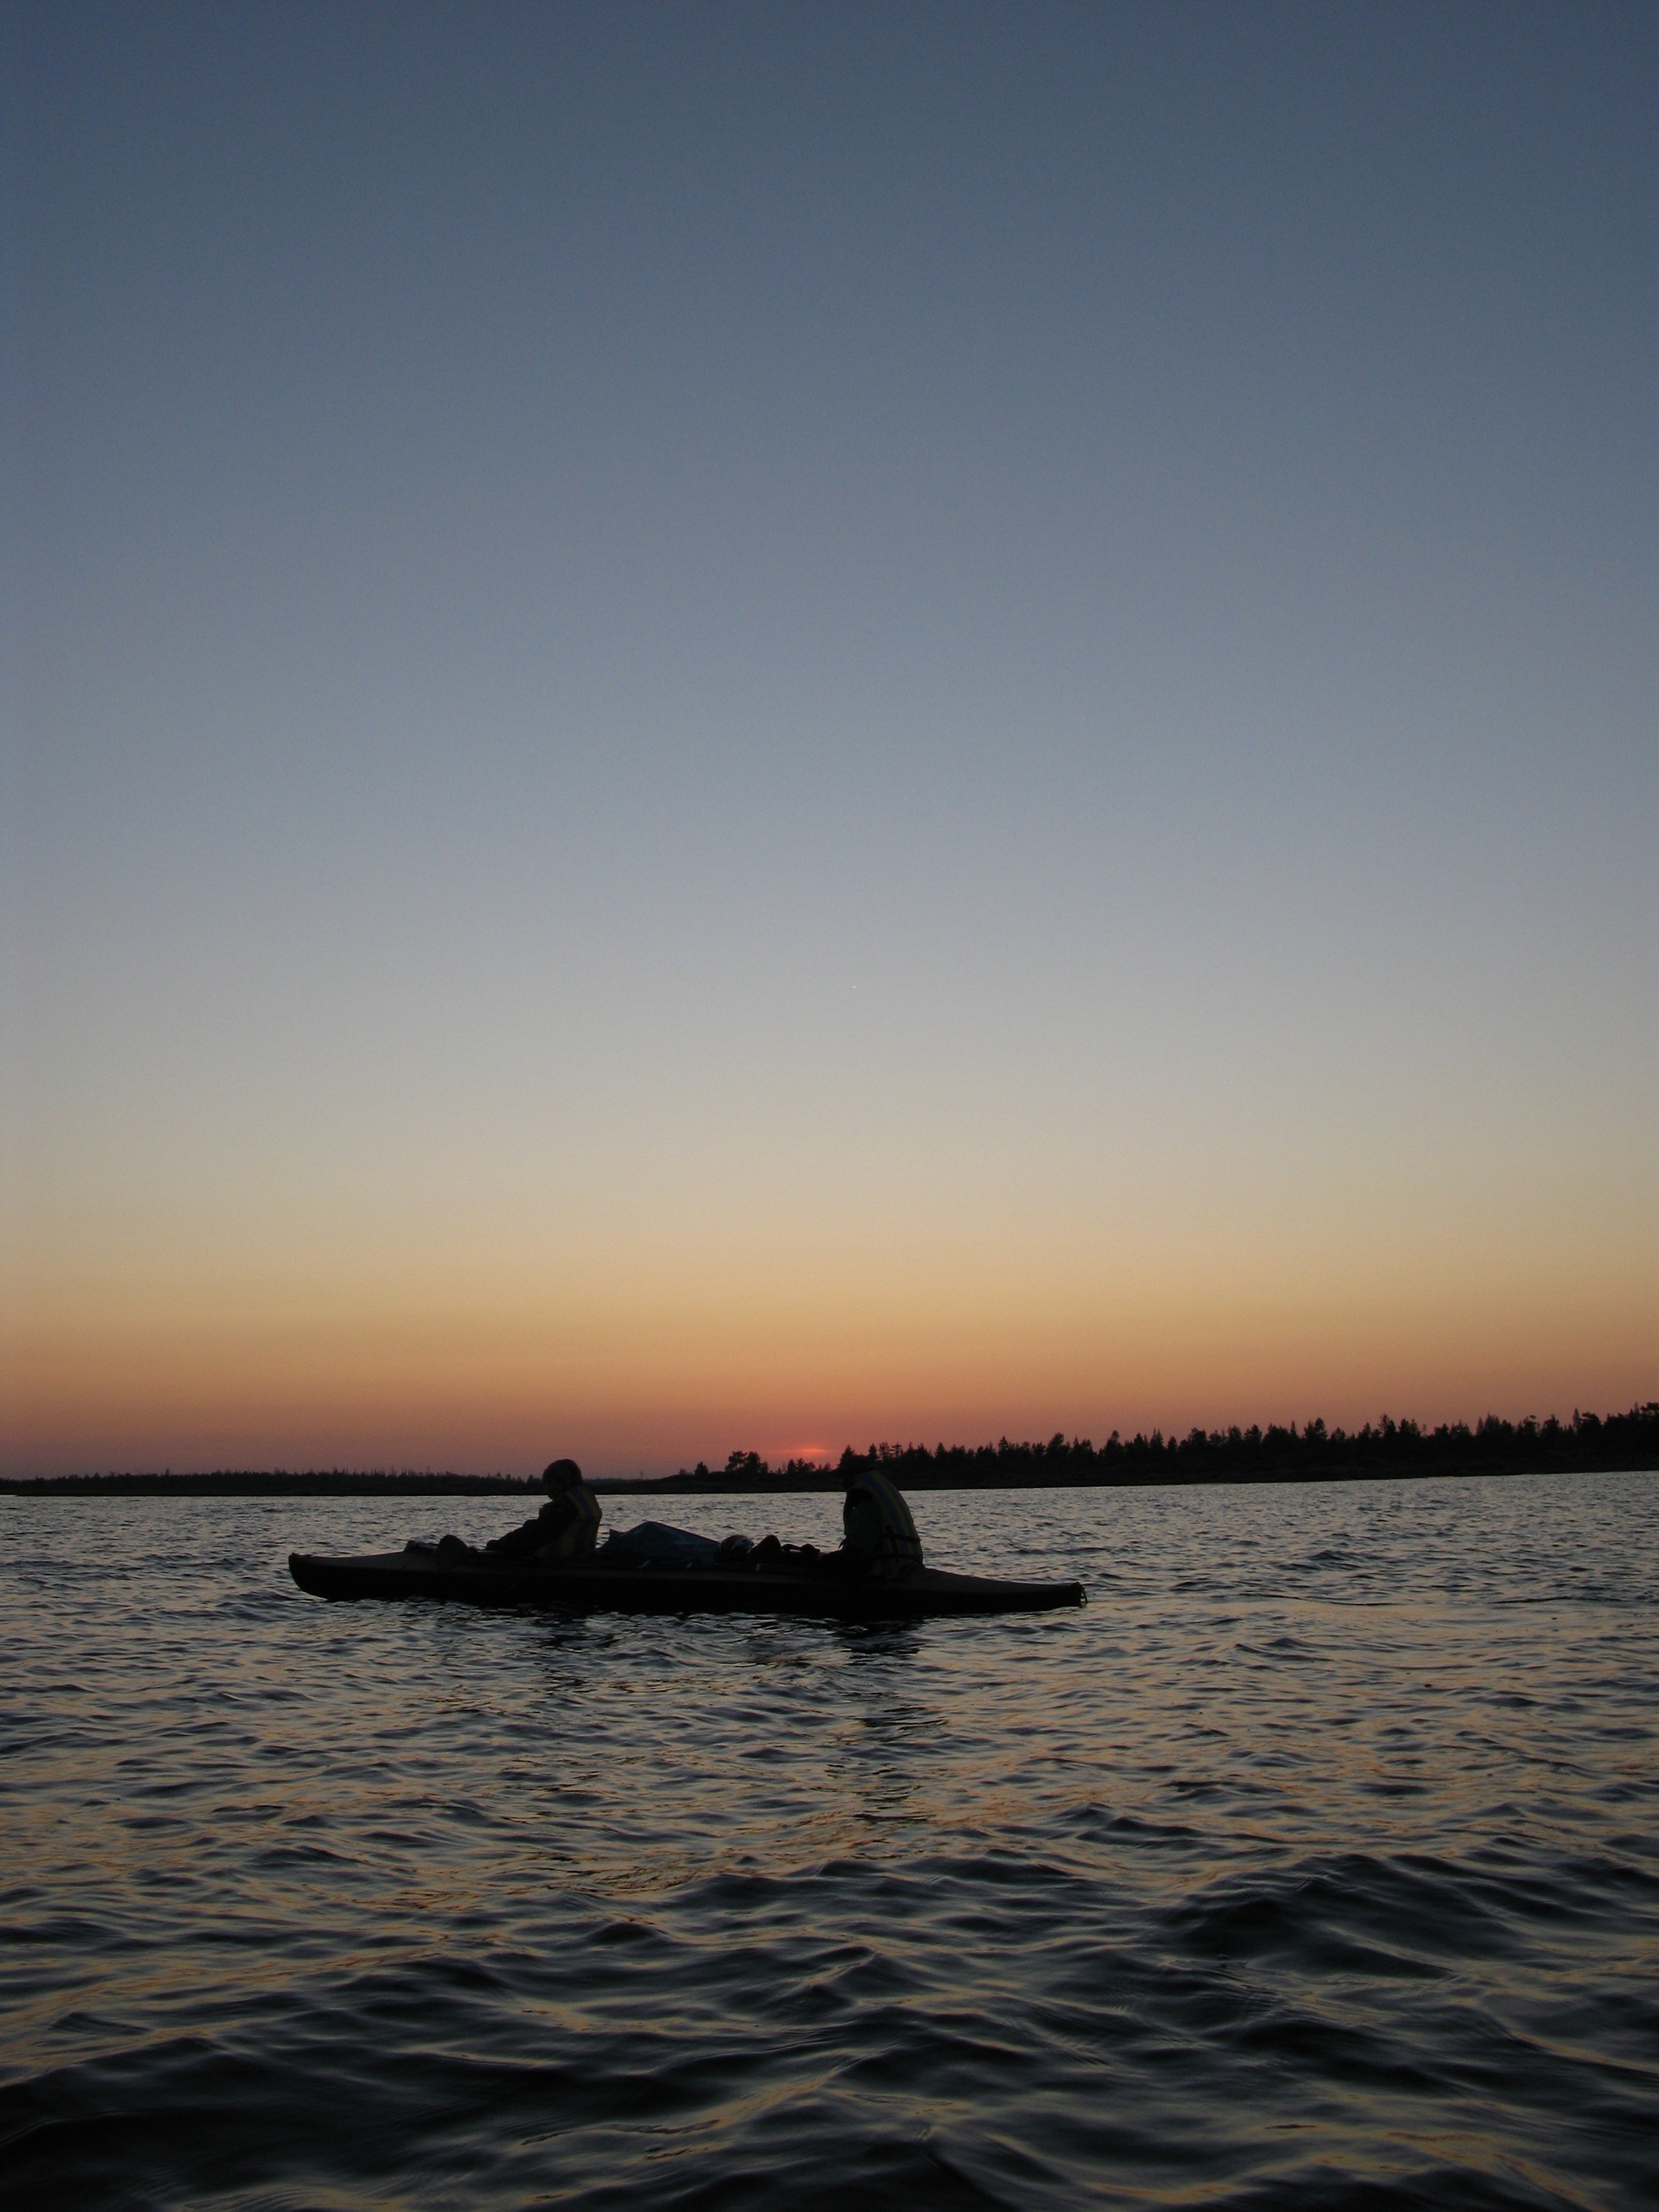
1588	1443
277	1482
1313	1452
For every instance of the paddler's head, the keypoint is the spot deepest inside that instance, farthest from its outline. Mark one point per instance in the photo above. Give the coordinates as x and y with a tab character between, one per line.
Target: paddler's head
564	1474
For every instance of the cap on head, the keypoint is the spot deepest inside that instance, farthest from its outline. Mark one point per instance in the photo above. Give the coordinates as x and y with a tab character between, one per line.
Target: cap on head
564	1474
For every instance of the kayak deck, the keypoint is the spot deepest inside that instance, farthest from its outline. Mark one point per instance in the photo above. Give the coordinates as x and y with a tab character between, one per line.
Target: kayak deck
672	1589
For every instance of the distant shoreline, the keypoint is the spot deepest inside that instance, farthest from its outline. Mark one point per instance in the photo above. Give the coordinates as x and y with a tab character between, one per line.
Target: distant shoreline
773	1483
1390	1451
778	1486
275	1484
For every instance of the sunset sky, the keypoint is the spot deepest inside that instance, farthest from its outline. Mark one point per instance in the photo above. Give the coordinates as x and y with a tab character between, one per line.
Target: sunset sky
771	726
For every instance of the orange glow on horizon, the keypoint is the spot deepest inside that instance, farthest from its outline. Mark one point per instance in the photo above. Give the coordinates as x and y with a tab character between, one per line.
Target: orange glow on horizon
663	1383
496	1335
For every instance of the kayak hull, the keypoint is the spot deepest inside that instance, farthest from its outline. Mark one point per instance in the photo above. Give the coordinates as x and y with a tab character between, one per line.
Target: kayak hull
592	1588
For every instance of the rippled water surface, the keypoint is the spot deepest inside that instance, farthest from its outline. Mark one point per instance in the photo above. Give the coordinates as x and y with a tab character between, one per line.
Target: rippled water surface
1313	1863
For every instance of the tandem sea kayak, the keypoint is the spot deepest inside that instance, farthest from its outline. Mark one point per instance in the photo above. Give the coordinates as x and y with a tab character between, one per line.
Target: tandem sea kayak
595	1587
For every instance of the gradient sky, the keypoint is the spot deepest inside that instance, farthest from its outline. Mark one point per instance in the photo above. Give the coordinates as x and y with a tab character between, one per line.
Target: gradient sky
770	726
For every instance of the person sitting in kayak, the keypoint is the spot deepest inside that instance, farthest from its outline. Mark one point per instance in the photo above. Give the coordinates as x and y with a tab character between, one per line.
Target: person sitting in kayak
881	1540
565	1529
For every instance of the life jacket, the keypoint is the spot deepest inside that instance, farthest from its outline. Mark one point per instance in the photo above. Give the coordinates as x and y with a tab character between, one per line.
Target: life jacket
575	1530
899	1552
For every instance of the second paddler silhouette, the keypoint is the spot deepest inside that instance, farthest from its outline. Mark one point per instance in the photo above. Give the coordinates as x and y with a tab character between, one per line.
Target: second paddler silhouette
880	1539
561	1534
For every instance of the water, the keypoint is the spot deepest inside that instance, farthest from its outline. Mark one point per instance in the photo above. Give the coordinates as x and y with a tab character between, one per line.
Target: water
1314	1863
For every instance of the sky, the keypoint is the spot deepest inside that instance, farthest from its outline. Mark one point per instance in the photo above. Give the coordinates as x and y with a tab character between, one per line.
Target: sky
761	726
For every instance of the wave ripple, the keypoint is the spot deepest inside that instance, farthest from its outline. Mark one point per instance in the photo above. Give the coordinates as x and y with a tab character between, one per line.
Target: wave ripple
1314	1864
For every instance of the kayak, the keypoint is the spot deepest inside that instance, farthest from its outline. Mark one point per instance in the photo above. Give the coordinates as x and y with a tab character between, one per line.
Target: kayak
592	1587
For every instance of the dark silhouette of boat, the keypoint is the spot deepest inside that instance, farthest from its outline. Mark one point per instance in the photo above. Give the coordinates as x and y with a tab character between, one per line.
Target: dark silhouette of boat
595	1587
